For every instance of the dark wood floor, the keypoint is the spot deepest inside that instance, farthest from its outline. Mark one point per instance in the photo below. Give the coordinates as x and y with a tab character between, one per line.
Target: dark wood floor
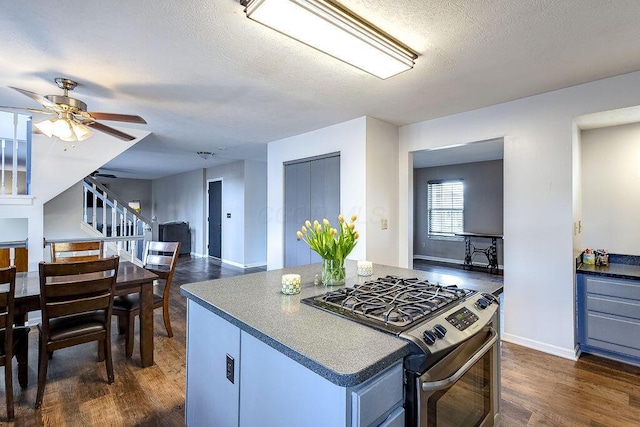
538	389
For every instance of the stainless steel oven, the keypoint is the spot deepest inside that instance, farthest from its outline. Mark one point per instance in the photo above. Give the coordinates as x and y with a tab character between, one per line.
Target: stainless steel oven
462	389
452	374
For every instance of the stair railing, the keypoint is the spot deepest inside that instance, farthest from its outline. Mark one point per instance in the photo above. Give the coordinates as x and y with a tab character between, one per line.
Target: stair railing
113	218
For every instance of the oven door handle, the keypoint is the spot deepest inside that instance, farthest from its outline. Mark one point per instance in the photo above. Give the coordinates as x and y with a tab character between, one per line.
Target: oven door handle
447	382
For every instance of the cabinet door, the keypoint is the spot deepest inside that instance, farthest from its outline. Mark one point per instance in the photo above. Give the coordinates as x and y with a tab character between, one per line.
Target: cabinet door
312	192
276	391
211	399
297	202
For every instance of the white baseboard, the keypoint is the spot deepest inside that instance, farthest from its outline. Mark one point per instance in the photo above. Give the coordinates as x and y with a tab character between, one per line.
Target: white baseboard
566	353
452	261
242	266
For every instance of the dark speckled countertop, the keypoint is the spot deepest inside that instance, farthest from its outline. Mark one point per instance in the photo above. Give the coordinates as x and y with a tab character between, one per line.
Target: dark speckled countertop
342	351
620	266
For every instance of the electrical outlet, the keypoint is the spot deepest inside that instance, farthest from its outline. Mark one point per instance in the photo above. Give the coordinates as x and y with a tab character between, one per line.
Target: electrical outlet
383	224
230	368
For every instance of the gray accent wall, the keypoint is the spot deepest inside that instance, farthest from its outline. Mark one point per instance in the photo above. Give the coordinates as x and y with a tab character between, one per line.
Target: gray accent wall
483	208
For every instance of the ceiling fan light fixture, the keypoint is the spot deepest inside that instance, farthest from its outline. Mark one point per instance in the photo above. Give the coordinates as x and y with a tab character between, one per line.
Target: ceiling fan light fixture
64	128
204	154
336	31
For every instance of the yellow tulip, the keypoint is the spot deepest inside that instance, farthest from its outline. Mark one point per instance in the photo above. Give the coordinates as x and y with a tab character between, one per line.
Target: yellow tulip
299	234
333	231
352	225
315	223
356	235
325	222
318	228
304	229
354	217
307	223
340	218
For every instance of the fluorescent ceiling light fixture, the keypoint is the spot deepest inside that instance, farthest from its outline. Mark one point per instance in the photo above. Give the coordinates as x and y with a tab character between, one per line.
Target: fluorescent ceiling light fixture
65	128
332	29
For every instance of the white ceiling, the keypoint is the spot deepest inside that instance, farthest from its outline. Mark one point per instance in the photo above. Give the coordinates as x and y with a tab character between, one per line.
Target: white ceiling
204	76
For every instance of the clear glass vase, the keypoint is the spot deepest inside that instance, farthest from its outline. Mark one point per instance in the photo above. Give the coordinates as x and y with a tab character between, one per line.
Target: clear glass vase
333	272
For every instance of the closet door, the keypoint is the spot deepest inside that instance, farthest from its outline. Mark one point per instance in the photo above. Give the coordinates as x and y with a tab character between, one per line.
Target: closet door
312	191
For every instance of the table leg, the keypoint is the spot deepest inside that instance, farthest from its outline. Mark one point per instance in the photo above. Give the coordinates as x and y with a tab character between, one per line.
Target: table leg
146	325
493	256
467	253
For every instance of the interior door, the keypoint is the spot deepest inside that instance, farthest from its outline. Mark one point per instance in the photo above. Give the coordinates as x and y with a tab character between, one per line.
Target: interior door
215	219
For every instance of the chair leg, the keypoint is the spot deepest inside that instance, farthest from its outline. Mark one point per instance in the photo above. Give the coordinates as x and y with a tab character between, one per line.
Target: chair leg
22	356
122	324
165	317
8	381
43	364
130	331
101	350
107	356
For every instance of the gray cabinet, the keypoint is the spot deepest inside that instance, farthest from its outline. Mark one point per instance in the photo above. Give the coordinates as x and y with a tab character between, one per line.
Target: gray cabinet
609	317
270	389
312	191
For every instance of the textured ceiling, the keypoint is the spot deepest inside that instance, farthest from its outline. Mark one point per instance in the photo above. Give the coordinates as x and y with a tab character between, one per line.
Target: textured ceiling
204	76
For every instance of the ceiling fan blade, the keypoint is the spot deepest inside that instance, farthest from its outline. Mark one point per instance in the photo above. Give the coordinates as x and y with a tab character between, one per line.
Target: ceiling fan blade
117	117
109	130
39	98
33	110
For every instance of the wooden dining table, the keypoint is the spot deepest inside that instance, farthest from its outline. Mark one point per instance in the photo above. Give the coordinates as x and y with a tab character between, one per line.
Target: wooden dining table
131	279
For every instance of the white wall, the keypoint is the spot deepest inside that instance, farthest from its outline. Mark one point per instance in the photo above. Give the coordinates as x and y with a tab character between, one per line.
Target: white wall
180	197
348	138
64	213
381	192
132	189
538	199
13	229
611	189
255	213
233	196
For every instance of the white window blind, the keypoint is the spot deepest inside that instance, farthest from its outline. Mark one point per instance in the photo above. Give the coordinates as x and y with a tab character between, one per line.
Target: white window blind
446	207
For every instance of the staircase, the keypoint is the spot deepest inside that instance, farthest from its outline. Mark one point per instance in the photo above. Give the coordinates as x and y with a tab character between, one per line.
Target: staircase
123	229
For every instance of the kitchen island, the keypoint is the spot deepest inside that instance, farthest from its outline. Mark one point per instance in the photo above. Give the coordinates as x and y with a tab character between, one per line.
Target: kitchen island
258	357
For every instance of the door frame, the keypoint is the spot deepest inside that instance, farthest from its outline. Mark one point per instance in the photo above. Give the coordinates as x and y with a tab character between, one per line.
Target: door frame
207	221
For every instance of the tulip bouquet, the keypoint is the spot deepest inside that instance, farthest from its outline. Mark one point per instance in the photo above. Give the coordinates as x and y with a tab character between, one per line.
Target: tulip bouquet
332	244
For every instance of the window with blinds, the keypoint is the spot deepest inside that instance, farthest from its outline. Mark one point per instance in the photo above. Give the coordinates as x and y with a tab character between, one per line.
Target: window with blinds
445	207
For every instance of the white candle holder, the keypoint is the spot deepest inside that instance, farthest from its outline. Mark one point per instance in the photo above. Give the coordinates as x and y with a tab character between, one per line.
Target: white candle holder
365	268
290	284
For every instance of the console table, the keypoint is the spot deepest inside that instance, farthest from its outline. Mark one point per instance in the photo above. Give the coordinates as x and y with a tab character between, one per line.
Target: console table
490	252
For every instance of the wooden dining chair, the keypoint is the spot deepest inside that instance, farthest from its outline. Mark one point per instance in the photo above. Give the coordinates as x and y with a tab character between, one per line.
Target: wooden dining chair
76	300
160	258
76	251
13	340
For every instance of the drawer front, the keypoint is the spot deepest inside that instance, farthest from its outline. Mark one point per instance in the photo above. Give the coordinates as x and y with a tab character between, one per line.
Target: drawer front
395	419
627	289
371	404
606	305
618	332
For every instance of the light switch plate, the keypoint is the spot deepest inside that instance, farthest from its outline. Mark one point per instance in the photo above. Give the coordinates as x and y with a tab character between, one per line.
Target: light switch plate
383	224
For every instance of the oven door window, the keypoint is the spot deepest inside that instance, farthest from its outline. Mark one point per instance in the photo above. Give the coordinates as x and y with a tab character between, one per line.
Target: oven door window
467	402
458	391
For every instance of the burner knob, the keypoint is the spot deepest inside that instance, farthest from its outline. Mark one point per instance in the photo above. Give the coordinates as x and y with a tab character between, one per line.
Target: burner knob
439	330
491	298
482	303
429	337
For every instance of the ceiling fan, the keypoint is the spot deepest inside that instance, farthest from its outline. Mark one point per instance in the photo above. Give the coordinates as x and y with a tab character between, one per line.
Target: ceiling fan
73	119
98	174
